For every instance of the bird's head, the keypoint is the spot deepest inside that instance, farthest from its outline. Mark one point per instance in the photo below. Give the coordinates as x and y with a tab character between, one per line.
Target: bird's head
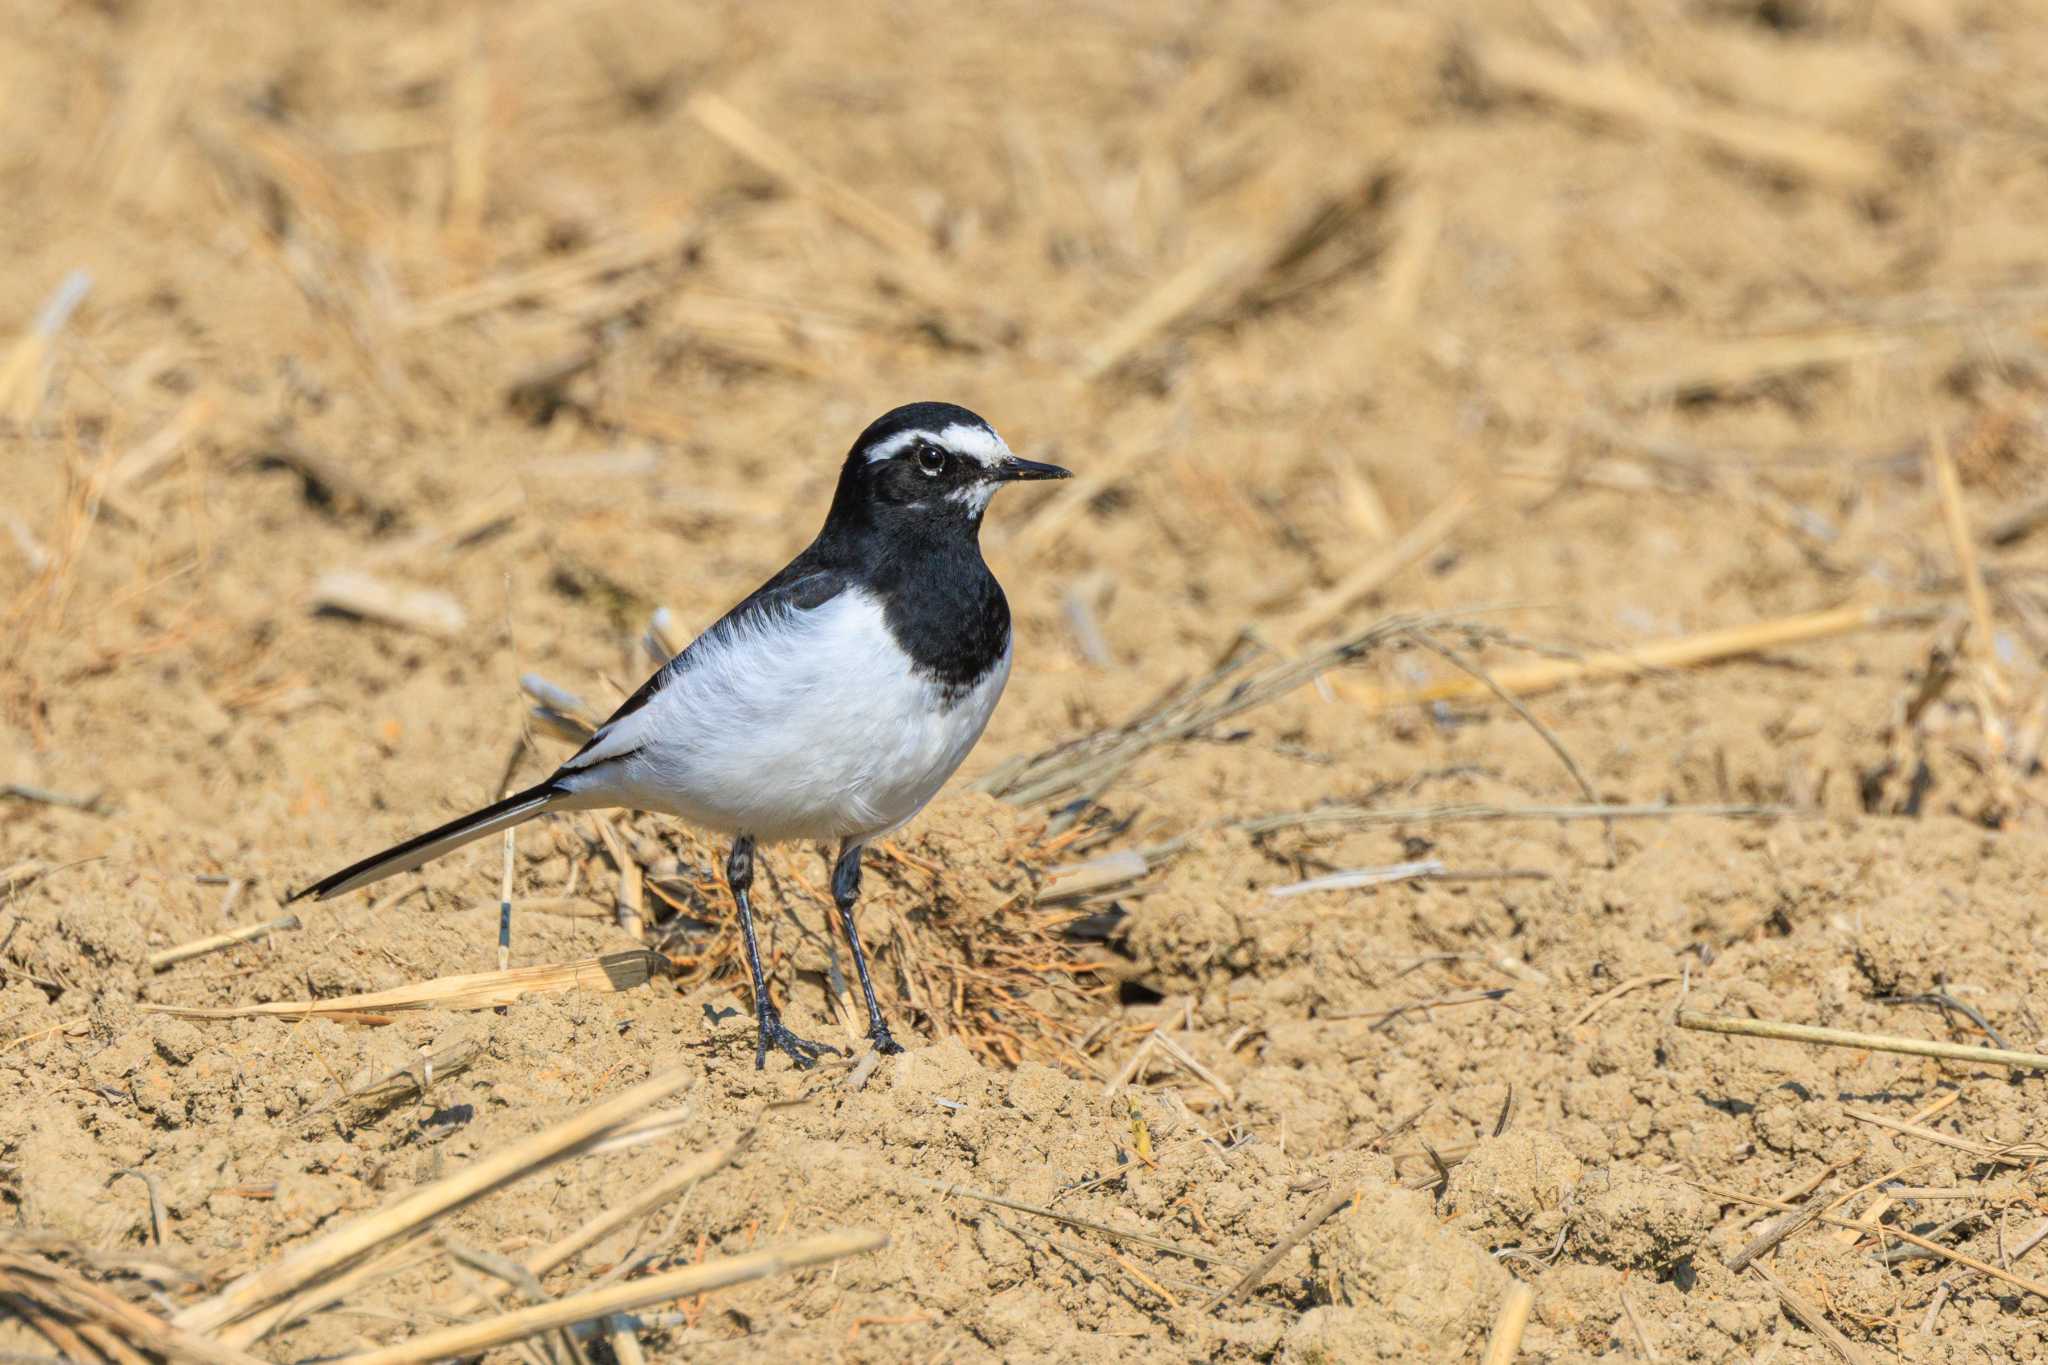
932	462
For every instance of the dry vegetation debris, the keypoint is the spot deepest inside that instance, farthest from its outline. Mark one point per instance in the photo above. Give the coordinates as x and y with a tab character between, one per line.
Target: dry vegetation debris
1557	557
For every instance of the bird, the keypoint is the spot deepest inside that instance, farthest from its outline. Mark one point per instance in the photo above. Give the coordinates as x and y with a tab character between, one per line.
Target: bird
831	704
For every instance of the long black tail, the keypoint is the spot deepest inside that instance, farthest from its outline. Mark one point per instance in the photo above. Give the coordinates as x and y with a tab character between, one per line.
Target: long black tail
513	810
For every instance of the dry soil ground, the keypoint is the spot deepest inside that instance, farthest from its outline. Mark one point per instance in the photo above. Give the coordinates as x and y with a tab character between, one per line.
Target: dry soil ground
1582	325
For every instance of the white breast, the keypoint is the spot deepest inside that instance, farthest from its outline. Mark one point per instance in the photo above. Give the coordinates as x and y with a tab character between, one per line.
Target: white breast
804	725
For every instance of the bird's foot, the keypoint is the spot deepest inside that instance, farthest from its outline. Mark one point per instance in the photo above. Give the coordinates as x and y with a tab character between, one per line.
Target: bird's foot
884	1042
802	1051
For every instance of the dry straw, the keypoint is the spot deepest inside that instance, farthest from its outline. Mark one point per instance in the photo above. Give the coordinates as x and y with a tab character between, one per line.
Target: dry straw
506	1328
571	1245
1872	1042
1809	1316
620	971
1505	1341
1706	647
248	933
314	1260
1090	764
88	1321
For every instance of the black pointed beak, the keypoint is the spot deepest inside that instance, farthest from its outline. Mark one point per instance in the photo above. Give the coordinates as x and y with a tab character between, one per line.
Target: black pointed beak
1014	470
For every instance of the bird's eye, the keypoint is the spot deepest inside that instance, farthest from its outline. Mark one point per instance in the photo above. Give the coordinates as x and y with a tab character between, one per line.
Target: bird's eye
931	460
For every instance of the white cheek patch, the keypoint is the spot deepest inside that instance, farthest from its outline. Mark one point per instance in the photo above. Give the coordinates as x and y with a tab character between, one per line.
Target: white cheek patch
978	444
974	497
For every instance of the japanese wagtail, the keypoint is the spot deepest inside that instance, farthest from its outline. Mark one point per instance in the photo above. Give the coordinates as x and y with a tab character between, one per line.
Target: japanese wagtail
831	704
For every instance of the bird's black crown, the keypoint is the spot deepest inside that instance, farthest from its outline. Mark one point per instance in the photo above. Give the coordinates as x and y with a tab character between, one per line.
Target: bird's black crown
916	417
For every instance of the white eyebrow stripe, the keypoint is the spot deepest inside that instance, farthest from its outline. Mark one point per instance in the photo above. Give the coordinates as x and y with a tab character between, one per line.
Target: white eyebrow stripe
979	444
976	443
882	450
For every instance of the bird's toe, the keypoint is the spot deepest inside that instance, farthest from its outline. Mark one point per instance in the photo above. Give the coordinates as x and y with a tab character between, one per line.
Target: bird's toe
774	1034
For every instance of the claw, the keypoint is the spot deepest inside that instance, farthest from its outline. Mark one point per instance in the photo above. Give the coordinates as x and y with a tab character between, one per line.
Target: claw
802	1051
884	1042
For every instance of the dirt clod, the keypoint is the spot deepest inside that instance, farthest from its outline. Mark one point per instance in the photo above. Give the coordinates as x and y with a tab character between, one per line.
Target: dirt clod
1402	1266
1513	1189
1630	1217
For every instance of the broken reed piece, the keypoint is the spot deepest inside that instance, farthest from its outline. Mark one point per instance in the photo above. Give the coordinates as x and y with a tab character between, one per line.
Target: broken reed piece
25	370
1983	645
1423	1007
1871	1042
1505	1341
1460	812
199	947
94	803
1076	880
1633	983
2003	1154
1360	877
1940	1252
560	712
660	639
1709	646
470	1338
1810	1316
354	593
1165	1043
1253	1278
611	972
723	120
505	901
61	1026
568	1247
1081	606
630	902
67	1308
314	1260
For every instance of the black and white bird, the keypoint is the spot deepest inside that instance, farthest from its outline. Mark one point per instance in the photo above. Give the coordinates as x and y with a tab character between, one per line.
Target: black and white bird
831	704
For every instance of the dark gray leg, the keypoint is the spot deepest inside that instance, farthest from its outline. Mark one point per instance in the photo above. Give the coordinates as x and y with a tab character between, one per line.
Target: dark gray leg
739	875
845	891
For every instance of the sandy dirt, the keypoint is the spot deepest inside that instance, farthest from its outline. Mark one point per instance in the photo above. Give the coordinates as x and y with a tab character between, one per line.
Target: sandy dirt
1594	326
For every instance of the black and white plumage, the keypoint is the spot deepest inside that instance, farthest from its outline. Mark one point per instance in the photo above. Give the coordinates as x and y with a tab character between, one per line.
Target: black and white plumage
831	704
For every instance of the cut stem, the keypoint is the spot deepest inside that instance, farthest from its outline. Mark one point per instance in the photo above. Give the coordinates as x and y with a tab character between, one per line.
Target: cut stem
1872	1042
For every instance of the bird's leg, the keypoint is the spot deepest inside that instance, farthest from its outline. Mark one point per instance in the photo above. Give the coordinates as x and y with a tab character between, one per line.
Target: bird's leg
739	875
845	891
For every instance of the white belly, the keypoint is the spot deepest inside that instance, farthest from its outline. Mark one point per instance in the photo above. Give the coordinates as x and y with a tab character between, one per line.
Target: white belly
814	728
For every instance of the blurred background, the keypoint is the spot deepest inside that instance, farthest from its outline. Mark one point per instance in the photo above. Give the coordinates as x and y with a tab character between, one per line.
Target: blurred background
358	359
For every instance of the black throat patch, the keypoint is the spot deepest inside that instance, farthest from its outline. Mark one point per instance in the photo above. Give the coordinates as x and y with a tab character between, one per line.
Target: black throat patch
950	616
941	604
